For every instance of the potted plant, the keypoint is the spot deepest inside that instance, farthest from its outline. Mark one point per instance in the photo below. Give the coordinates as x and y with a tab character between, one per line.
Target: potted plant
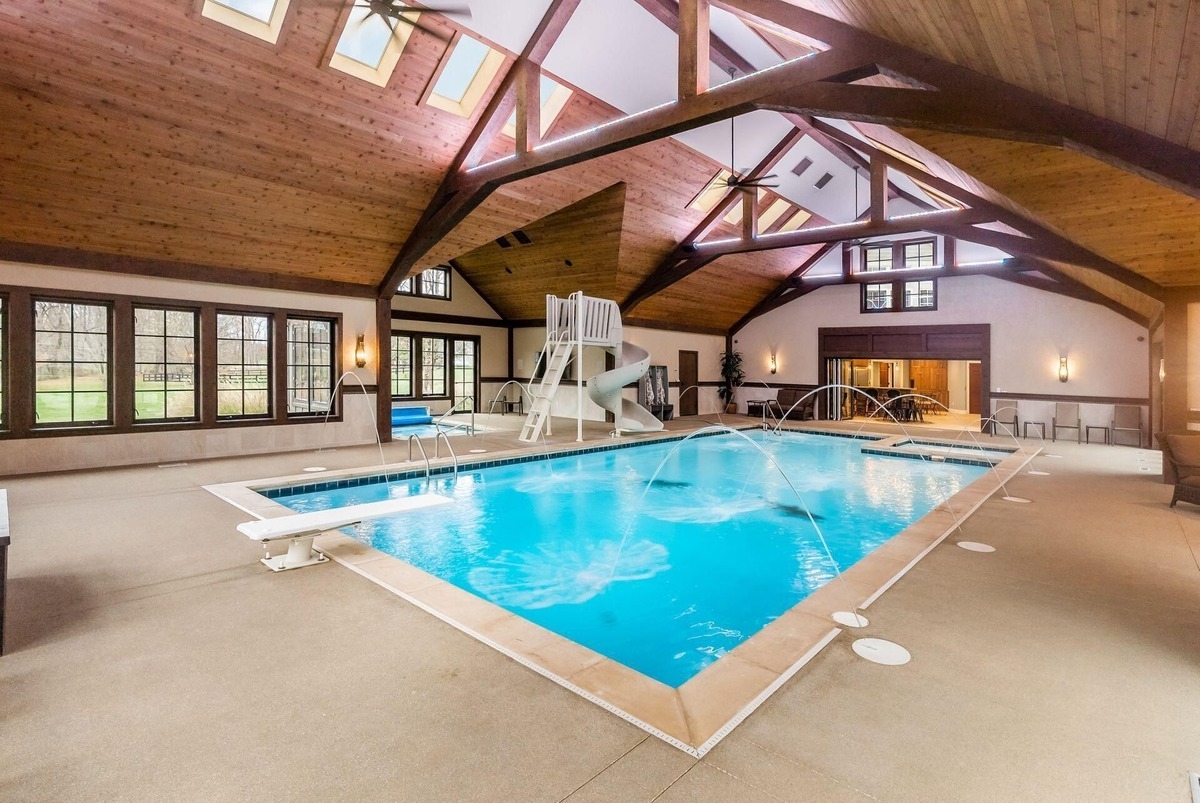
733	375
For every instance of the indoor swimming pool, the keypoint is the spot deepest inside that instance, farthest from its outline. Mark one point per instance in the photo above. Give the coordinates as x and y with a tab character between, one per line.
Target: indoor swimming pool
663	577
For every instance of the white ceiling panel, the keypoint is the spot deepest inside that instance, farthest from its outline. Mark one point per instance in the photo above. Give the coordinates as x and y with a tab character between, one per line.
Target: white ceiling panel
508	23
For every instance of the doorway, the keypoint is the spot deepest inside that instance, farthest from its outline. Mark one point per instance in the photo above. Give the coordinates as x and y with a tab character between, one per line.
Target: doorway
689	368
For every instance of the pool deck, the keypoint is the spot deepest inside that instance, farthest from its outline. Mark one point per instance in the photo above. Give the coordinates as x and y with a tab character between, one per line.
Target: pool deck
152	657
697	715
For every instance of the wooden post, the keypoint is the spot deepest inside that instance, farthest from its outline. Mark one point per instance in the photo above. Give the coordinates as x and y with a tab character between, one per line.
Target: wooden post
693	48
529	107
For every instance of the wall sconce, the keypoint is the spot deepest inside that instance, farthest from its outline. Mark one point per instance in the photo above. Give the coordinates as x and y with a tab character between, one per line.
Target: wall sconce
774	364
1062	369
1162	371
360	352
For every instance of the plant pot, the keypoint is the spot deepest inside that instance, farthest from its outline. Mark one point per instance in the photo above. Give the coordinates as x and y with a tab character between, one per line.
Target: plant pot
731	408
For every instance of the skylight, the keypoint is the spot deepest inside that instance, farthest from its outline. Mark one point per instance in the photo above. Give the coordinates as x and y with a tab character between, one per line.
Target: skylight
772	214
367	48
260	18
465	76
796	221
712	193
554	97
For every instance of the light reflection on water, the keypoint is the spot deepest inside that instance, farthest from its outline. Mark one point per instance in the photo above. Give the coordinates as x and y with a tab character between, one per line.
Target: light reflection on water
667	577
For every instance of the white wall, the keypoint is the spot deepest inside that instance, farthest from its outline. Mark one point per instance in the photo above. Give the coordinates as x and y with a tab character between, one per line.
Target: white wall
63	452
1029	330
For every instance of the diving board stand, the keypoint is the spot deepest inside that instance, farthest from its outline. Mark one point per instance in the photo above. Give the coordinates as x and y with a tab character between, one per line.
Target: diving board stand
300	529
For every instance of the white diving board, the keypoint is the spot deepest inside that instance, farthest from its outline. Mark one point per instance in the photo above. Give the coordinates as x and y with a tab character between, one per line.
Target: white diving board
302	528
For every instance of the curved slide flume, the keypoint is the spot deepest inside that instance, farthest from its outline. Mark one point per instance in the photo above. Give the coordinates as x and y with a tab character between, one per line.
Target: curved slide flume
605	390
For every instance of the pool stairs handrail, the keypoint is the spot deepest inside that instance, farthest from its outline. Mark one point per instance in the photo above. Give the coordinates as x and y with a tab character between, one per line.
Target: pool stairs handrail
559	347
421	449
300	529
471	427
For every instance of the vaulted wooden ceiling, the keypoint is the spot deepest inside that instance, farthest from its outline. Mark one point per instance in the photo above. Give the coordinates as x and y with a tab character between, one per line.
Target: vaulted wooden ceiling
141	136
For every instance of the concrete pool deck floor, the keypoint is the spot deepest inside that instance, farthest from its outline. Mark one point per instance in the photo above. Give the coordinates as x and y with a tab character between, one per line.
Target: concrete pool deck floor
152	657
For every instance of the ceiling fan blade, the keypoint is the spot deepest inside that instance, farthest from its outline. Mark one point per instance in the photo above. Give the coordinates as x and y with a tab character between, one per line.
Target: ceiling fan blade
456	9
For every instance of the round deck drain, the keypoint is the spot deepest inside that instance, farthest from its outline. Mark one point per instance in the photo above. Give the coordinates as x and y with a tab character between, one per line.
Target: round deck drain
850	619
975	546
1037	473
478	451
316	468
1020	499
881	651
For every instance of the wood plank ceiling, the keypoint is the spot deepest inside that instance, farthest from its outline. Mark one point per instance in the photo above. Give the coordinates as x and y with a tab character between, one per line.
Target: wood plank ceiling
141	129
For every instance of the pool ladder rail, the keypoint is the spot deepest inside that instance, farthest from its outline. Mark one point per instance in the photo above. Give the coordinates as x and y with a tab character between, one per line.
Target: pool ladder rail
441	436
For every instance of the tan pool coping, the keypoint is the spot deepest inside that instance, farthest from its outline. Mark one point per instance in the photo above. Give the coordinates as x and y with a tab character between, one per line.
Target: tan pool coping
695	716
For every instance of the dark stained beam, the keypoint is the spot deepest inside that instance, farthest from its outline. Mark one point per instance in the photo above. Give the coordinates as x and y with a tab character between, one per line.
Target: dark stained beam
693	47
650	285
967	101
450	205
724	56
844	231
785	292
1045	242
879	198
57	256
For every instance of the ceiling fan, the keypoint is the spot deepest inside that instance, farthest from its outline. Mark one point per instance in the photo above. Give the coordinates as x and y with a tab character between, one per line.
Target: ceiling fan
394	11
743	182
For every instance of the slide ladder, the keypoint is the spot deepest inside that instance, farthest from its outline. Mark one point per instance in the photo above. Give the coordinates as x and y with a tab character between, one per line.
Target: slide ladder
571	324
543	400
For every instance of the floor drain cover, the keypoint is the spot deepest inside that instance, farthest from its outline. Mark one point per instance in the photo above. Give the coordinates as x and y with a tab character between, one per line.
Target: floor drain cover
975	546
1020	499
882	651
478	451
316	468
1037	473
850	619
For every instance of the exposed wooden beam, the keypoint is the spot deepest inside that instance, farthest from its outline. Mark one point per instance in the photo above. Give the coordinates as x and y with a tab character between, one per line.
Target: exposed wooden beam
693	48
451	204
650	285
967	101
1040	241
724	56
749	214
785	292
843	231
56	256
529	106
879	196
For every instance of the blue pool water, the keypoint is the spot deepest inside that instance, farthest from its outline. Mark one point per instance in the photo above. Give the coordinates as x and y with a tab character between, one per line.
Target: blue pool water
664	577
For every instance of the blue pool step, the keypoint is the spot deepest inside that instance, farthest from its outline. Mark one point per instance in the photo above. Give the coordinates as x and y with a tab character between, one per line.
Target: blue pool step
403	416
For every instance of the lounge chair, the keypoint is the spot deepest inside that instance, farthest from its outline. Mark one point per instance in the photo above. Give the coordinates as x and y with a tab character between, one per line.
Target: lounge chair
1006	420
1127	418
1181	464
1066	416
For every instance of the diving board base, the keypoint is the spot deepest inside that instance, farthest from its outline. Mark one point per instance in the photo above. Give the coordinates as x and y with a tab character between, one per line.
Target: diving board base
300	553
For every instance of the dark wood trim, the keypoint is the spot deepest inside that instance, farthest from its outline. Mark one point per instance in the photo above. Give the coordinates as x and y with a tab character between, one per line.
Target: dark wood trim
934	342
437	317
383	369
897	292
121	361
1069	398
57	257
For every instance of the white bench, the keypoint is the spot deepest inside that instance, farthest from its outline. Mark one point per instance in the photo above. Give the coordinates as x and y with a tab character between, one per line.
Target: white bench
300	530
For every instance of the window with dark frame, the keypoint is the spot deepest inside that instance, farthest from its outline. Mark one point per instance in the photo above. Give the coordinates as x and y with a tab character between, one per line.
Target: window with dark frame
407	287
402	365
165	364
433	366
243	365
72	363
464	372
900	296
877	258
310	365
921	254
429	283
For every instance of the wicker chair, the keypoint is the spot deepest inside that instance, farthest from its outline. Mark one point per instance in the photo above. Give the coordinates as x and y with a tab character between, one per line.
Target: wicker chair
1181	464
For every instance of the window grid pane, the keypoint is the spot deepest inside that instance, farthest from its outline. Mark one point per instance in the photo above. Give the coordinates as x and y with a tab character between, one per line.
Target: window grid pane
435	283
919	295
243	365
918	255
433	366
310	365
71	363
464	372
402	364
879	296
879	258
165	367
